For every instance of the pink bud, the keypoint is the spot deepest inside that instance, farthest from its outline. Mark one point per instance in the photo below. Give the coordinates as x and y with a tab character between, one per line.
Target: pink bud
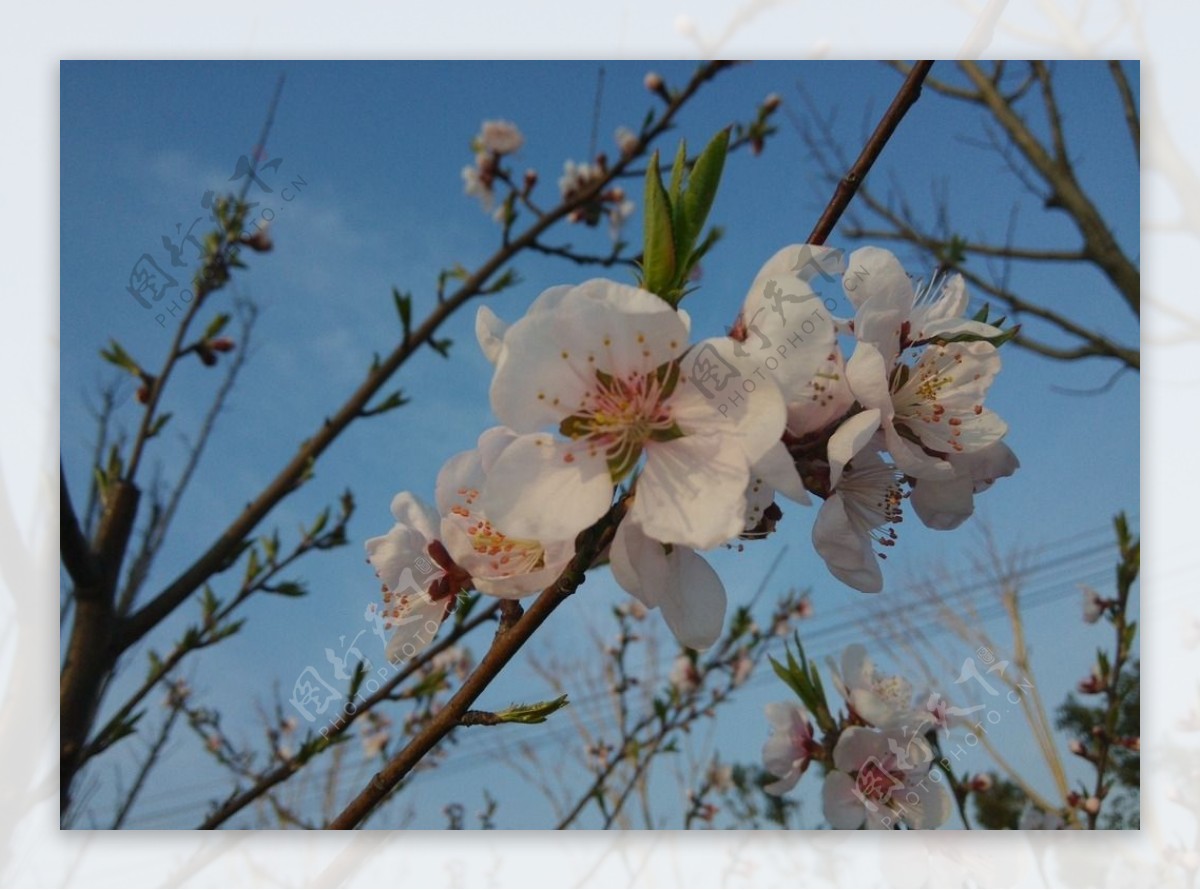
771	103
653	82
260	241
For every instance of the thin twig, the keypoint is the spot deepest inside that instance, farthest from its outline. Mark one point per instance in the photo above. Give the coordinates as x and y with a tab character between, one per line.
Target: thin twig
908	94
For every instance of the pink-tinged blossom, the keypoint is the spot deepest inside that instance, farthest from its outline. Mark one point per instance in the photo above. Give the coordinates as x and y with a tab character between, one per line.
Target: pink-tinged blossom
627	141
605	365
882	700
684	678
879	780
499	564
499	137
790	748
893	315
860	515
1094	605
419	579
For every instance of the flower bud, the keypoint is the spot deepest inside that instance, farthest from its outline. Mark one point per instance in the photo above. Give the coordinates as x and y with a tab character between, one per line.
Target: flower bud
221	344
260	241
653	81
771	103
980	782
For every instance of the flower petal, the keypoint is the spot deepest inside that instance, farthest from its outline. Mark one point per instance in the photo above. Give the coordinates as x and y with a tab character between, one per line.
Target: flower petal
693	602
846	551
930	808
783	753
848	440
546	490
858	745
410	510
639	564
489	331
692	491
943	504
753	410
778	470
416	626
627	329
843	809
875	275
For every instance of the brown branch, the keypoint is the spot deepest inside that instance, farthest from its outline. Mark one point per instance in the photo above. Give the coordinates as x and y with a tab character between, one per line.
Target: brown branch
938	245
148	764
506	644
78	559
1053	115
1129	106
1098	241
157	529
908	94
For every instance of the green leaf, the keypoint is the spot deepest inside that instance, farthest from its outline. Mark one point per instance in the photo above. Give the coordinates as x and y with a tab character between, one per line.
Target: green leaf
216	326
288	588
319	525
534	713
701	190
404	310
159	423
116	354
393	401
441	347
658	264
208	603
678	169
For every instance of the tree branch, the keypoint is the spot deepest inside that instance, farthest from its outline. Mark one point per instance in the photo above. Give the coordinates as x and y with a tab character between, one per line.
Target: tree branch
506	644
908	94
1099	243
1129	106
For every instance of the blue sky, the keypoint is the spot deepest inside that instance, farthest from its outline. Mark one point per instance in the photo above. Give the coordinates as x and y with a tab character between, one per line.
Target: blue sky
379	148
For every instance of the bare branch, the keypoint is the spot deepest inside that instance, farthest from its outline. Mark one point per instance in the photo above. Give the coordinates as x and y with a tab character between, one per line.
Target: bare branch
160	522
1129	106
1098	241
908	94
77	556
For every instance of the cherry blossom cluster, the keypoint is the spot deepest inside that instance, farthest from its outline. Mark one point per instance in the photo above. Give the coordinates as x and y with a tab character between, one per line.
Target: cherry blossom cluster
601	395
902	419
878	755
498	139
